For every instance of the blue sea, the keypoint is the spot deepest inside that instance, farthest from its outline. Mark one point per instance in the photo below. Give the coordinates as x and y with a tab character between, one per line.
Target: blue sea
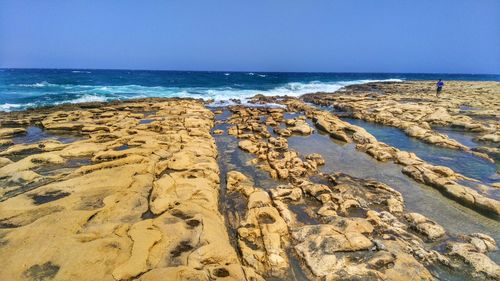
27	88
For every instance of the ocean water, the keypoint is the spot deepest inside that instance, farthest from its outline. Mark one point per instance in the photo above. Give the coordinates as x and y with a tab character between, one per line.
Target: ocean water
26	88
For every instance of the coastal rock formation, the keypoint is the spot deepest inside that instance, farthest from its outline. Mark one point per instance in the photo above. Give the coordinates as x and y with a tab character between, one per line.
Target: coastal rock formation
472	249
442	178
390	240
357	217
131	191
129	199
425	226
262	233
299	126
330	250
413	107
271	152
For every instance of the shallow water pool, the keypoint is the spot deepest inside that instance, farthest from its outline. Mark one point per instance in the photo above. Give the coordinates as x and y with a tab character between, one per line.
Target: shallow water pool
344	158
462	162
35	134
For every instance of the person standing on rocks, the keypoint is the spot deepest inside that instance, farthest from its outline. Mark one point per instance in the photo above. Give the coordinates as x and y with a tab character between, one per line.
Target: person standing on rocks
439	87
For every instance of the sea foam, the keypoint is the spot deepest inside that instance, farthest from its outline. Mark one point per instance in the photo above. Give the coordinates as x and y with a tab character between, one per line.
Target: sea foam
85	98
14	106
53	93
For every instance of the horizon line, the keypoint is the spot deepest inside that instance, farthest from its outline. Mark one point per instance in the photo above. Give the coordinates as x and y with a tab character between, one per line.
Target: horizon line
241	71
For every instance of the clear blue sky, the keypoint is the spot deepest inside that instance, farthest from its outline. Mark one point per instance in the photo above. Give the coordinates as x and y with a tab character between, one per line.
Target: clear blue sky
451	36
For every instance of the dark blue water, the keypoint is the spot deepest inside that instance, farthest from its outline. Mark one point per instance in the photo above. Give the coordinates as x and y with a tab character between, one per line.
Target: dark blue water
22	88
461	162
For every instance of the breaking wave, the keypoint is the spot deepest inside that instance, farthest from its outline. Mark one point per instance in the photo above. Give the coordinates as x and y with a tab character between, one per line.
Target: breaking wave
80	71
86	98
67	93
14	106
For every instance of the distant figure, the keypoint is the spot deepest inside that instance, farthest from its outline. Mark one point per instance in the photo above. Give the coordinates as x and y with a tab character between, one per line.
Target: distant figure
439	88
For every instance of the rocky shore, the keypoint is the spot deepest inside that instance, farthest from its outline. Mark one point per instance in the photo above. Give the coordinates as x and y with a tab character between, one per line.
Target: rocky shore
413	107
362	230
139	190
143	204
440	177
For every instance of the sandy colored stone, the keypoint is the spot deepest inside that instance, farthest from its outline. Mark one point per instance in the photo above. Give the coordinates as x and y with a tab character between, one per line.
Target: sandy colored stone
262	227
472	251
123	200
9	132
143	235
425	226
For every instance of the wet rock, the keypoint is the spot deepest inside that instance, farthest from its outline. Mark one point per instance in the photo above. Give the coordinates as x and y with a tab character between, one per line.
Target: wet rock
472	251
248	146
238	182
425	226
299	126
218	132
368	194
438	177
321	246
286	192
282	132
490	137
44	271
317	158
9	132
279	143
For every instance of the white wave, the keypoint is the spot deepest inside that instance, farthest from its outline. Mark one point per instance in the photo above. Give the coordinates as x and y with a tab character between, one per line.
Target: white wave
85	98
251	73
100	93
37	85
14	106
292	89
227	74
80	71
223	103
261	75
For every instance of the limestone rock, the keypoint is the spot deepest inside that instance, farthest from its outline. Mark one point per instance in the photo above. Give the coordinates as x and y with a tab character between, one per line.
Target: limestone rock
425	226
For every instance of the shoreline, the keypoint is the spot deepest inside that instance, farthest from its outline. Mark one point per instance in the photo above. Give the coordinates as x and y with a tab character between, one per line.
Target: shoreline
172	149
223	92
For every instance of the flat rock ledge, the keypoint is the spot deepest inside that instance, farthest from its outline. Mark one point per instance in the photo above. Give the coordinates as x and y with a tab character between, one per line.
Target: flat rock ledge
141	205
131	191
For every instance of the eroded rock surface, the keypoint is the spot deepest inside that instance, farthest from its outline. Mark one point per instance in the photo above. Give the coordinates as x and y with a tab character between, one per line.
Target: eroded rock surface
442	178
413	107
262	232
136	197
144	203
341	227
